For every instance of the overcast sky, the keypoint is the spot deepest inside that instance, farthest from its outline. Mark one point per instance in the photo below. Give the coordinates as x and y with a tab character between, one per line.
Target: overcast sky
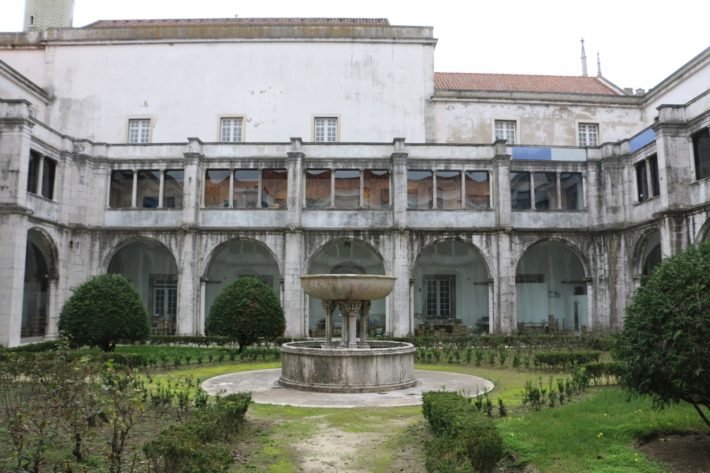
640	42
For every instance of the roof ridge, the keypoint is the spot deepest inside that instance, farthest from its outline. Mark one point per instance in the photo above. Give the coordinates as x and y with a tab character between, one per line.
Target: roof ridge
517	74
247	20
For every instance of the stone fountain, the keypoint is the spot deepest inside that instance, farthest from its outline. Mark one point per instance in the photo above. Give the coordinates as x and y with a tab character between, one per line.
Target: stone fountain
349	366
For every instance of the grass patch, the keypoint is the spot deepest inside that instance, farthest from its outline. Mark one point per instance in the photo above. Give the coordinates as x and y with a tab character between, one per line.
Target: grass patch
593	435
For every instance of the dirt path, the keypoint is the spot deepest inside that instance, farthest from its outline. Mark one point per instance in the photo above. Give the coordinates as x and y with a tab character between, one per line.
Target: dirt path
331	450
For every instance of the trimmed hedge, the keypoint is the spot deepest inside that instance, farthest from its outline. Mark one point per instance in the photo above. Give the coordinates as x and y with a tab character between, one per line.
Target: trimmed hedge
603	371
465	437
565	359
532	341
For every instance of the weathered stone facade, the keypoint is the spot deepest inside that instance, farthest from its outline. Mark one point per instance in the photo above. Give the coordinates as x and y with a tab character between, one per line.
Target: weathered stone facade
482	234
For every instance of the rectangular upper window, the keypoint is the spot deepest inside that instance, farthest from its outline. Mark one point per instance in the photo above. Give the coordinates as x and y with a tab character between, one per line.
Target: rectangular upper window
448	189
49	168
545	190
148	191
571	191
274	188
347	189
33	174
326	130
173	188
246	188
139	130
420	189
318	188
505	130
701	152
231	129
121	191
217	188
376	188
520	191
588	134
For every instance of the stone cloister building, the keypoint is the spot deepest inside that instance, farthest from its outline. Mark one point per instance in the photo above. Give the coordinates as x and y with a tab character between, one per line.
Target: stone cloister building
188	153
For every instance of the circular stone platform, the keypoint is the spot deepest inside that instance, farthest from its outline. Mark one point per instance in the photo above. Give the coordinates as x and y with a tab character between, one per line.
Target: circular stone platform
264	388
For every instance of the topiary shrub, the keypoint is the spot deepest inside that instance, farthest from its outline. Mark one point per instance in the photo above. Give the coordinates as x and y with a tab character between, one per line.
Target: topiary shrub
245	311
103	311
663	350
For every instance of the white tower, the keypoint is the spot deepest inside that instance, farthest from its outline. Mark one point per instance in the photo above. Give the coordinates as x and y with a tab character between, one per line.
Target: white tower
43	14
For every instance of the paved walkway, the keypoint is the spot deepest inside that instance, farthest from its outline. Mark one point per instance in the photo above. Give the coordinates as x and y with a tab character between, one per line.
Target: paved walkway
265	390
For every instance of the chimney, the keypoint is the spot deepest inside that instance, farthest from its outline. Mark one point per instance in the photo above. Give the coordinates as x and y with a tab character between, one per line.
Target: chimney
584	60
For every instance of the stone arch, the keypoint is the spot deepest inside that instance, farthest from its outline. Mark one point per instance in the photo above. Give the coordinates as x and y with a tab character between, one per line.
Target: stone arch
236	258
551	288
40	268
452	286
647	253
704	233
151	268
341	256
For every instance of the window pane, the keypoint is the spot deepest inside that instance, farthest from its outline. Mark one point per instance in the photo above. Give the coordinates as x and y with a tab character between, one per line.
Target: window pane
326	129
571	191
655	184
121	189
33	174
420	189
376	188
148	189
318	188
347	189
641	181
217	188
172	188
274	191
231	130
246	188
545	190
505	130
520	190
701	150
478	190
448	190
588	134
139	130
48	172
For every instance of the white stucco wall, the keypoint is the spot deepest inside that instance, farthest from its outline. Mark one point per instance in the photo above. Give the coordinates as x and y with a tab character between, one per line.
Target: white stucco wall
537	123
377	90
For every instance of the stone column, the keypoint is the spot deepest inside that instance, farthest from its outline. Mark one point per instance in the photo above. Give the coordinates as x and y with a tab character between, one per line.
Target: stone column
364	314
501	185
506	316
192	183
13	245
294	302
329	308
202	316
188	322
399	323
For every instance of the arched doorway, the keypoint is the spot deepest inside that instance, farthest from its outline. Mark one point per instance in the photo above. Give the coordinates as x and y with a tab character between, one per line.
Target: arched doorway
152	270
237	259
551	289
649	254
346	257
39	265
451	289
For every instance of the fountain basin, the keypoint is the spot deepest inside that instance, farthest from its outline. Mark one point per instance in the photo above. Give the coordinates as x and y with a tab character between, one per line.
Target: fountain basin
384	366
347	287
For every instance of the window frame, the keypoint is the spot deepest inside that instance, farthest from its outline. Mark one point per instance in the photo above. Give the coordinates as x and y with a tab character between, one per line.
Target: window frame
503	122
588	126
698	163
220	129
336	137
148	130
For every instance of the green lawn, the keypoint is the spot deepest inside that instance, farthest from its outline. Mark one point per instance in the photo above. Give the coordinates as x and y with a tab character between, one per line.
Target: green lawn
595	434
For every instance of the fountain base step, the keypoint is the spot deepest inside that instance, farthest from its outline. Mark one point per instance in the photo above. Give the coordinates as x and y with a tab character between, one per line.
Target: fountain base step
384	366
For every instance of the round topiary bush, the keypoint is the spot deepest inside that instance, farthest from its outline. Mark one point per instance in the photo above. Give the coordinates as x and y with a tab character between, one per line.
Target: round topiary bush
245	311
103	311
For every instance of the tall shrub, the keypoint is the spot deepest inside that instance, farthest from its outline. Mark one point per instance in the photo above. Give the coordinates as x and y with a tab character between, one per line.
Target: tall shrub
103	311
245	311
663	350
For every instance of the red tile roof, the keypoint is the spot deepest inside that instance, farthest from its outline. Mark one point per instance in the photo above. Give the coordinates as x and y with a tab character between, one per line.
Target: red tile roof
522	83
243	21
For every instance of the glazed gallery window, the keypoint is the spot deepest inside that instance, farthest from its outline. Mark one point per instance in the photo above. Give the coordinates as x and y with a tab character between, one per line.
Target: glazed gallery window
139	130
250	188
448	190
347	188
701	153
477	191
505	130
325	129
154	189
546	191
40	176
647	184
588	134
231	130
376	188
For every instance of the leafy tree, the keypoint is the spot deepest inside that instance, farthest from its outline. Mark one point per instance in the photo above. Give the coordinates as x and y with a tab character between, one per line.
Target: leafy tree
246	310
664	348
103	311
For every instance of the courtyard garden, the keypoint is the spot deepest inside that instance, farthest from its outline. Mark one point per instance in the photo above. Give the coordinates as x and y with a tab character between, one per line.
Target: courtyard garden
140	409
